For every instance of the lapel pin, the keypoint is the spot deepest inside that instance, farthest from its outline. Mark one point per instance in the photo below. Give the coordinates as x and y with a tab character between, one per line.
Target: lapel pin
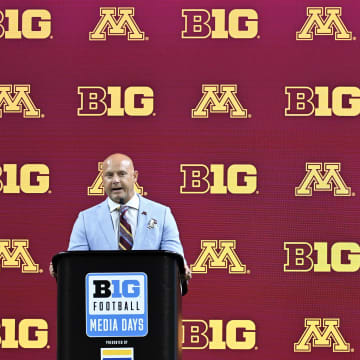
152	224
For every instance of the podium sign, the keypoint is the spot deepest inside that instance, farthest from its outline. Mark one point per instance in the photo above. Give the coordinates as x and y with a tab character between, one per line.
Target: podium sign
119	305
116	304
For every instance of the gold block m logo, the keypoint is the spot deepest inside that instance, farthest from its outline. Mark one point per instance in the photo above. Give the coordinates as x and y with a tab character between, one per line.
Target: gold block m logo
222	256
316	24
20	102
323	182
19	254
219	104
123	25
330	335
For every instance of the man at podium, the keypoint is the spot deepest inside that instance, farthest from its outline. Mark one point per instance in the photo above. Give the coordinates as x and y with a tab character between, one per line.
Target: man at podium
125	220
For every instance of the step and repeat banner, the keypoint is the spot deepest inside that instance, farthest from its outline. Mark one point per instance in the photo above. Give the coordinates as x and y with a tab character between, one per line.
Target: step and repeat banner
242	116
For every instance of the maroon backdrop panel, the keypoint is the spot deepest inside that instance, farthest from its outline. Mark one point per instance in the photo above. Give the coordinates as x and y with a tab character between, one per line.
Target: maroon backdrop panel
246	125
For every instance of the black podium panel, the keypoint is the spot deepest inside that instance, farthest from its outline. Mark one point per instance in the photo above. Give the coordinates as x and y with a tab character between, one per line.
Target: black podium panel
116	305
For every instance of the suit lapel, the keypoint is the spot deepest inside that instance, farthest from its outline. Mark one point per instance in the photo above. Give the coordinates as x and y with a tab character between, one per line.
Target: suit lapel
105	224
141	221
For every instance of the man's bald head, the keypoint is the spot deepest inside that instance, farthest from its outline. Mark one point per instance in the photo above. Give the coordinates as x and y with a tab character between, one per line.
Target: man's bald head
119	177
113	158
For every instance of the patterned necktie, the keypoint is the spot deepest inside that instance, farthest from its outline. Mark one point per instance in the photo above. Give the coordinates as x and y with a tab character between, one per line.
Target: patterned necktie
125	236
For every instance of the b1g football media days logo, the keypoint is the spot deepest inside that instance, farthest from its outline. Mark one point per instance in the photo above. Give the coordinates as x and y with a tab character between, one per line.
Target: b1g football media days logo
218	255
241	179
97	187
323	177
304	257
30	24
116	305
16	100
98	101
313	336
210	101
202	24
322	101
28	178
117	22
117	354
324	21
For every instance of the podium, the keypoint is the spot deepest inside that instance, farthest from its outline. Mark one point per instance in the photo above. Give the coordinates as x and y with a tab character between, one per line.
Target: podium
116	305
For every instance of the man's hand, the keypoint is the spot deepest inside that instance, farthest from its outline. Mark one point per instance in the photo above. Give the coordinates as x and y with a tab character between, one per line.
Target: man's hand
187	273
51	270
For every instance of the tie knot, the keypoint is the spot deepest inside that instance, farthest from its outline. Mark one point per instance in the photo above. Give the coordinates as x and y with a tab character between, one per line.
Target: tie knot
123	210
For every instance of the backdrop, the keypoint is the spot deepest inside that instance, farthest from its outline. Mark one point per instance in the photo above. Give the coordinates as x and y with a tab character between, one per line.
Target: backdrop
242	116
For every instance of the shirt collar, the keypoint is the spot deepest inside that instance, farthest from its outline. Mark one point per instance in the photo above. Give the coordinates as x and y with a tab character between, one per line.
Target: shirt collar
132	203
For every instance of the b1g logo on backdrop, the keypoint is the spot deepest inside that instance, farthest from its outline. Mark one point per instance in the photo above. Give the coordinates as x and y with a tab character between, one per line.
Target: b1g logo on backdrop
313	336
116	304
197	334
30	24
237	24
117	22
15	253
98	101
97	188
322	101
226	103
324	21
323	177
15	99
200	179
25	334
117	354
305	257
218	255
28	178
